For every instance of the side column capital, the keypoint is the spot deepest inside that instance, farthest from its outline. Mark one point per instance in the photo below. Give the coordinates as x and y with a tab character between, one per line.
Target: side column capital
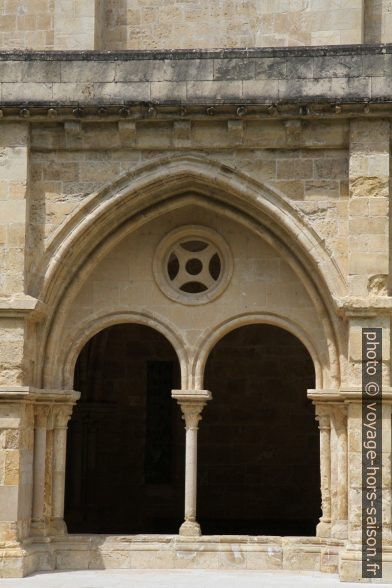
323	416
62	414
41	416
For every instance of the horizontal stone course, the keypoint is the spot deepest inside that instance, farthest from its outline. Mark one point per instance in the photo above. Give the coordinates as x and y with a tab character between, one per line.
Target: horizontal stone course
344	74
176	54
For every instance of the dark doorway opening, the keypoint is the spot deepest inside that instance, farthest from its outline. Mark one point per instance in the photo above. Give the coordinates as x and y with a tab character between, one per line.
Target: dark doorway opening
125	446
259	470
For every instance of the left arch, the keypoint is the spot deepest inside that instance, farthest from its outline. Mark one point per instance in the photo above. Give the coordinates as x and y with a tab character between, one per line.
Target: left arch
93	325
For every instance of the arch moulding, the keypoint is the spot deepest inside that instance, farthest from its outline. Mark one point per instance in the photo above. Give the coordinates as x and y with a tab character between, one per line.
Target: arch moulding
168	177
92	326
208	342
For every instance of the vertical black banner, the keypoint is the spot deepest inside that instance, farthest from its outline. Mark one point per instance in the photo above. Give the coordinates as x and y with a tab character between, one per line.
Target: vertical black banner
372	453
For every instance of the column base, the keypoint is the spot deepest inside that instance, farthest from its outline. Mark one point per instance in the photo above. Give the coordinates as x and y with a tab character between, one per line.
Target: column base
339	529
14	562
323	529
58	527
190	529
39	529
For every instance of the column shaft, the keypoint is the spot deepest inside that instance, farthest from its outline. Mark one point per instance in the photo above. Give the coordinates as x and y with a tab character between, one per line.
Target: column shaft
324	419
340	489
39	473
58	474
60	436
191	474
40	467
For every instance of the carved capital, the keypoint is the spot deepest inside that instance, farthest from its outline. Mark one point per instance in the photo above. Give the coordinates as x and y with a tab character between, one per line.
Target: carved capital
191	413
192	403
41	416
323	416
62	414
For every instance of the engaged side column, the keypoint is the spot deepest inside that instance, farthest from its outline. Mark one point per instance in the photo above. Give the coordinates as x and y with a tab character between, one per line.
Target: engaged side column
61	419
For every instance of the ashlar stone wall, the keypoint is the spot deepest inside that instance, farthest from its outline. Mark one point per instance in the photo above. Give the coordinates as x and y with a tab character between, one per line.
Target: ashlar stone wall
27	24
285	154
226	23
162	24
315	180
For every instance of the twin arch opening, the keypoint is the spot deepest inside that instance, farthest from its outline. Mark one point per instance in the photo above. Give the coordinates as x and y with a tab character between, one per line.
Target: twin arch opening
258	465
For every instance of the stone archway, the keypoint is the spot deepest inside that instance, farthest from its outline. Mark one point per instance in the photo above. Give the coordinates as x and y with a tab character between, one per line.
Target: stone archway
125	439
124	288
118	282
259	450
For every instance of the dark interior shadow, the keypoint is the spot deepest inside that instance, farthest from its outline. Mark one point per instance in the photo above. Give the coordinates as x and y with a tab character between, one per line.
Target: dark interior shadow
125	446
259	463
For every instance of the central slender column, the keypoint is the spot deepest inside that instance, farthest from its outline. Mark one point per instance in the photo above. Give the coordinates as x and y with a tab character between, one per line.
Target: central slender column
192	403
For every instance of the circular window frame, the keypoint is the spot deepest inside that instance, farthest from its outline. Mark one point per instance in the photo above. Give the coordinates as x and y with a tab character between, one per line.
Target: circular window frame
165	249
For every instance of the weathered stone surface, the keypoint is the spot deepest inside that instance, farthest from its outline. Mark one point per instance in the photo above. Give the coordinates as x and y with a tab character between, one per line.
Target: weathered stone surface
271	76
117	26
280	154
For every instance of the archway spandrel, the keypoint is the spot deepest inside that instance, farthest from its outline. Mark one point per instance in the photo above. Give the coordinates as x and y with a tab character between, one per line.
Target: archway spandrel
122	283
166	178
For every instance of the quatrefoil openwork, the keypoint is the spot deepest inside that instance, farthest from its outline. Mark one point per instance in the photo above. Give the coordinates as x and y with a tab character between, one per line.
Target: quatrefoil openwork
193	265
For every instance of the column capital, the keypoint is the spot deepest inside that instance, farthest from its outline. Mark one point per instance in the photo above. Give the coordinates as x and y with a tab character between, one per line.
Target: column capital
41	416
62	414
323	416
192	403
